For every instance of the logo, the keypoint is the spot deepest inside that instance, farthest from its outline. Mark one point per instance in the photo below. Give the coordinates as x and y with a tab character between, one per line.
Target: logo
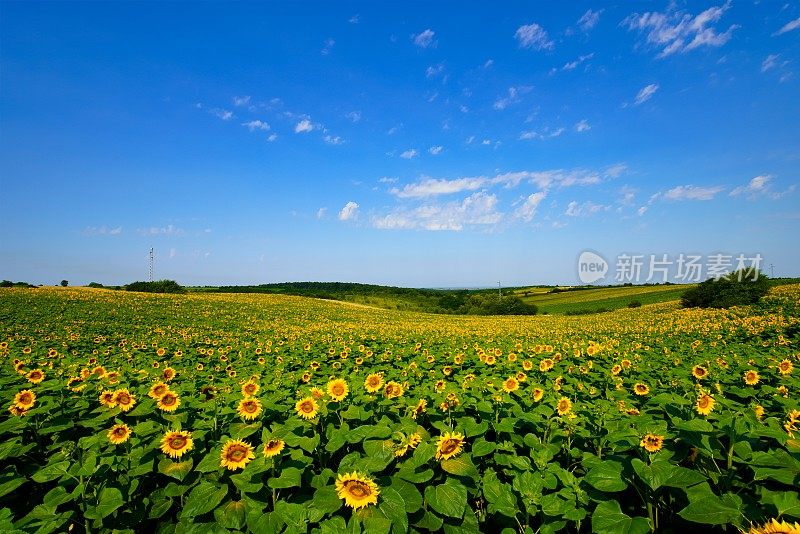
591	267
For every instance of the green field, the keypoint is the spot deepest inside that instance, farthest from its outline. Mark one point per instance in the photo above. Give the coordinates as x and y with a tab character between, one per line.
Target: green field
603	298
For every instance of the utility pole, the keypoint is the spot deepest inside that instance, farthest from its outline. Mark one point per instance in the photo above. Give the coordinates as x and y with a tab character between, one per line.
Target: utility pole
771	271
151	264
499	291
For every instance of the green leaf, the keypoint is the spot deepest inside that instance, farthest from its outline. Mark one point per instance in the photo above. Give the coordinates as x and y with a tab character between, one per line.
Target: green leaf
392	505
786	502
231	514
410	494
460	465
176	470
499	494
447	499
609	519
606	476
210	462
327	500
662	473
712	510
202	499
110	499
51	472
289	478
481	447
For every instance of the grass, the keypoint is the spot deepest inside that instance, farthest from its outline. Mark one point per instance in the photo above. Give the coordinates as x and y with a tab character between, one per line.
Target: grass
599	299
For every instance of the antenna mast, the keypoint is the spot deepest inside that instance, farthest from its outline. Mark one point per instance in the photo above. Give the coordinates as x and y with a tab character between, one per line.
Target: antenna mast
151	264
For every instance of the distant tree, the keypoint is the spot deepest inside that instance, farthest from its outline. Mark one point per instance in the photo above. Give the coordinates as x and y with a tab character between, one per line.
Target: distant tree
739	288
159	286
635	304
64	283
95	284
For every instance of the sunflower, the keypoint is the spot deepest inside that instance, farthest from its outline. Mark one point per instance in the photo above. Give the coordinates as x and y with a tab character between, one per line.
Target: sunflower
652	442
157	390
124	399
16	412
273	447
449	445
785	367
176	443
641	389
545	365
236	454
119	434
751	377
35	376
317	393
249	408
307	408
705	403
373	382
510	384
107	399
169	401
420	408
699	372
357	490
537	394
168	374
249	389
25	399
392	390
773	526
564	406
337	389
759	411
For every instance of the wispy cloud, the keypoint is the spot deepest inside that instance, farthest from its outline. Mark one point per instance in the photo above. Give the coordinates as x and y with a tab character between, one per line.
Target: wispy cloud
434	70
573	64
333	139
512	97
546	133
256	125
527	210
674	31
355	19
303	126
691	192
789	26
272	137
327	46
533	36
411	153
321	213
760	186
424	39
645	93
353	116
585	209
349	211
241	101
223	114
477	209
168	230
589	20
582	126
102	230
387	180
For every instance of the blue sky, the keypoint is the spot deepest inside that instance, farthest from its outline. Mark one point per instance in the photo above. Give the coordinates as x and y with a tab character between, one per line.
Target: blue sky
406	144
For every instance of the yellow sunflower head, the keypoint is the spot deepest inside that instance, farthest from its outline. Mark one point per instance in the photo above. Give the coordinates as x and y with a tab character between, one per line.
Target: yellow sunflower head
157	390
773	526
25	399
785	367
564	406
537	394
35	376
176	443
705	403
373	382
124	399
119	434
107	399
357	490
699	372
249	408
450	444
510	384
641	389
249	389
273	447
337	389
307	408
236	454
751	377
652	442
169	401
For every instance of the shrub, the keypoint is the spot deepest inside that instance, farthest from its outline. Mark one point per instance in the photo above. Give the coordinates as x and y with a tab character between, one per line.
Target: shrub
635	304
159	286
64	283
739	288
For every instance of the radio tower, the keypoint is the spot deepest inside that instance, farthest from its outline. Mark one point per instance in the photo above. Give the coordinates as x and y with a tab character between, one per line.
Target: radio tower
151	264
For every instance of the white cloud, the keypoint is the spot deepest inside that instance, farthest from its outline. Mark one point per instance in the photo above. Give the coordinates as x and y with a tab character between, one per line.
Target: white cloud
172	253
760	186
349	211
411	153
387	180
436	150
789	26
223	114
533	36
678	32
573	64
477	209
527	210
241	100
353	116
333	139
327	46
101	230
434	70
582	126
393	130
429	187
769	62
424	39
589	20
584	210
489	63
256	125
546	133
303	126
321	213
164	230
355	19
691	192
642	210
645	93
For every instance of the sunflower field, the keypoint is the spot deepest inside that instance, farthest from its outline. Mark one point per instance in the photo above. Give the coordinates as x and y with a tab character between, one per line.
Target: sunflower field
132	412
